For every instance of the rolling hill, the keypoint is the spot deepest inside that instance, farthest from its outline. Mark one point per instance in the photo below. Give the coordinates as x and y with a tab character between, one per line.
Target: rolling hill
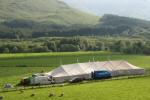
30	15
38	18
47	11
126	26
114	25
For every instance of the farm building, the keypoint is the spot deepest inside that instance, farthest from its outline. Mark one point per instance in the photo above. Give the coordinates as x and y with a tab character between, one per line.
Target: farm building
65	73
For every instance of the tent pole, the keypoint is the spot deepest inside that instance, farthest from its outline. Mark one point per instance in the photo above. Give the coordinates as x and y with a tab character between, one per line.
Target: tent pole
77	60
61	61
93	59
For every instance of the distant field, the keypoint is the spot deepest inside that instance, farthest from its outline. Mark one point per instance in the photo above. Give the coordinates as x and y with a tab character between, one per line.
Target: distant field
55	59
128	89
48	59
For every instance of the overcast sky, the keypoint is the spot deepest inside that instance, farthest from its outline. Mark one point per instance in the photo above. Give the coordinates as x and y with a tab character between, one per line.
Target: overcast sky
131	8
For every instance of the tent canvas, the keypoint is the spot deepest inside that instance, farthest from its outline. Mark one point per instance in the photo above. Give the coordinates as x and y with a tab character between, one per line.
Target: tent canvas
84	70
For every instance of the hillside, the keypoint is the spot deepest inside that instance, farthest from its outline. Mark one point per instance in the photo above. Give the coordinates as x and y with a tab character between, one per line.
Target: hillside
114	25
47	11
126	26
38	18
30	15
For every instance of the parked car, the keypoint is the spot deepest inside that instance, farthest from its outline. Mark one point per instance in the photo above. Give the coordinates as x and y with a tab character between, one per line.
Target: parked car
25	81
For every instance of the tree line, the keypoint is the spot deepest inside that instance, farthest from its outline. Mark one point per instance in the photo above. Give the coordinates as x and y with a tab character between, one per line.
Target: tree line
73	44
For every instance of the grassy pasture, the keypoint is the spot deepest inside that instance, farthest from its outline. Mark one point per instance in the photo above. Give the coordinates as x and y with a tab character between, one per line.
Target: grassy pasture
128	89
55	59
12	70
14	74
47	59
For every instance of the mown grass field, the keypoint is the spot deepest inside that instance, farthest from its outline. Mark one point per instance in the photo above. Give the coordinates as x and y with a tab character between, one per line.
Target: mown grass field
15	66
55	59
128	89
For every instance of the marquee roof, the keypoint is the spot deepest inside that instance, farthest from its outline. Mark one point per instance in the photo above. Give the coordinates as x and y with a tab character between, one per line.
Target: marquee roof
88	67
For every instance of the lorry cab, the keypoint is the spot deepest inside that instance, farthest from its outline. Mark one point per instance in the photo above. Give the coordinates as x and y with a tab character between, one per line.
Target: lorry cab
101	74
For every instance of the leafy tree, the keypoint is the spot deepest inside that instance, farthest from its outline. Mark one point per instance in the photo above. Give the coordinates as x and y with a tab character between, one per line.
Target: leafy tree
146	50
69	48
6	50
15	49
51	46
40	49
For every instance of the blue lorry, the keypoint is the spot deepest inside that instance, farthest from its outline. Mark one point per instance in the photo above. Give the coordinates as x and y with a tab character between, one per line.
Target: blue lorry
101	74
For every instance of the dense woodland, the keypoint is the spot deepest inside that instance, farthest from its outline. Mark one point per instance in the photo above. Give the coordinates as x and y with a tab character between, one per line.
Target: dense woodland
72	44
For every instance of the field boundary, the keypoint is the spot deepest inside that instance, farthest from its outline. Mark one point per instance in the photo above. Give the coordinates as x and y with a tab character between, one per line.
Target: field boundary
47	54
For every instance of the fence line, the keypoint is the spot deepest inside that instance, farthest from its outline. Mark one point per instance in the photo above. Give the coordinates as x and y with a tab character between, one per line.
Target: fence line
2	90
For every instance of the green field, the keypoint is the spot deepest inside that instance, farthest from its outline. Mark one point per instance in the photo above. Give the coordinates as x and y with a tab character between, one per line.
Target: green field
129	89
15	66
55	59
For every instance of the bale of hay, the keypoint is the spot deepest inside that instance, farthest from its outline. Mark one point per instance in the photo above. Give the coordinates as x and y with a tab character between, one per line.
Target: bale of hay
62	85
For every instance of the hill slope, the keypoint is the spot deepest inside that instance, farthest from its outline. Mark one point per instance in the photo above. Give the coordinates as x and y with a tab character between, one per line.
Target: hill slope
53	11
24	15
113	24
38	18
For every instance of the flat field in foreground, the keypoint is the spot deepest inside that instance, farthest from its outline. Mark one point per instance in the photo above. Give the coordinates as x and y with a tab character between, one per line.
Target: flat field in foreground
15	66
127	89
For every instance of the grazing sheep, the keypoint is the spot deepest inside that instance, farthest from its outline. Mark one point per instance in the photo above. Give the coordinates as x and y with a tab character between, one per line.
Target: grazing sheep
62	85
1	97
32	95
62	94
42	71
21	91
51	94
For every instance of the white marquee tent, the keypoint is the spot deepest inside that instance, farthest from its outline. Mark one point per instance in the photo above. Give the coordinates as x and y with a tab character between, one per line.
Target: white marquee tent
83	70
